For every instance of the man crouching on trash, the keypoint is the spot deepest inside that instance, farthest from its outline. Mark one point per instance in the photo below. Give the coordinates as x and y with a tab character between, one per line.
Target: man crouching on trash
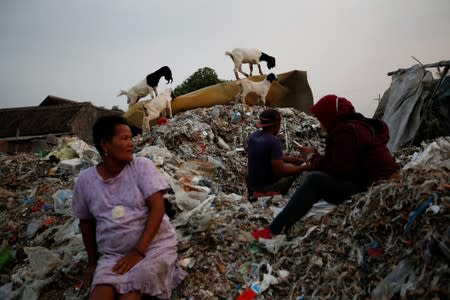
268	169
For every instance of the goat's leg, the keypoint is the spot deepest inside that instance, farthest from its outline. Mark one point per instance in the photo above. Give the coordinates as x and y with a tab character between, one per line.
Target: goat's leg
153	92
133	100
144	120
259	67
251	68
169	105
263	100
238	95
243	95
242	72
236	69
145	125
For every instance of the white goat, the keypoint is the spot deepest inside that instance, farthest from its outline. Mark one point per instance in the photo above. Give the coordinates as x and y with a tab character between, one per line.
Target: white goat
249	56
154	108
135	93
260	88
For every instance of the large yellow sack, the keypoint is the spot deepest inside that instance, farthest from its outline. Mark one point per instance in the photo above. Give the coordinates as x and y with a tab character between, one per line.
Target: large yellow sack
290	90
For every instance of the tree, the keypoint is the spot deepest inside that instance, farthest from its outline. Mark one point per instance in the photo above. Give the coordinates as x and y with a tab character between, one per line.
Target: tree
201	78
115	107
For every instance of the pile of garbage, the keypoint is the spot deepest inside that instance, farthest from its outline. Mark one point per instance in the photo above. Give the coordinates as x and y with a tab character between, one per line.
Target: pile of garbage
392	241
218	135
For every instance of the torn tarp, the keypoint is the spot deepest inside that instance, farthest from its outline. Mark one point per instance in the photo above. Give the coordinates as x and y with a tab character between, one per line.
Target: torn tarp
416	106
403	103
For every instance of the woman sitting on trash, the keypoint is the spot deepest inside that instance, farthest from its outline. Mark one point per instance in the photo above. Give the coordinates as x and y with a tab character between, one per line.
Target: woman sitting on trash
130	243
355	157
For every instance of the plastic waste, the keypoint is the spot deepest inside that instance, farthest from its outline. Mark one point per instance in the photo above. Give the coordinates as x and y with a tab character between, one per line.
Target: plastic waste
31	289
62	201
434	155
274	244
7	293
216	161
203	209
30	200
5	255
258	287
235	117
33	227
73	165
158	155
67	231
417	213
222	143
42	153
254	248
250	293
375	249
62	154
187	262
394	281
42	260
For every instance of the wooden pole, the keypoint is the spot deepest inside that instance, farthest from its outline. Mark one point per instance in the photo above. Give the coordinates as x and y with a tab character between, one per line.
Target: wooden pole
442	63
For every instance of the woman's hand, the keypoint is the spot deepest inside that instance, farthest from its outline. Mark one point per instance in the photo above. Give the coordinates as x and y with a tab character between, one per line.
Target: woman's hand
307	150
127	262
87	276
155	202
294	160
307	166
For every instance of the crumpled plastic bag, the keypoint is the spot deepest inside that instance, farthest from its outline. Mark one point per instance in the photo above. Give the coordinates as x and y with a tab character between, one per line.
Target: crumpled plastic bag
42	260
435	154
62	201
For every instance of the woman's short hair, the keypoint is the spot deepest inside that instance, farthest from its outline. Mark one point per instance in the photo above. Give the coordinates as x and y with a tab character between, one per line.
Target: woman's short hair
104	129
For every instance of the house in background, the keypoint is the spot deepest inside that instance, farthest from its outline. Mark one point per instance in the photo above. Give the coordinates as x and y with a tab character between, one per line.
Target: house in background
26	129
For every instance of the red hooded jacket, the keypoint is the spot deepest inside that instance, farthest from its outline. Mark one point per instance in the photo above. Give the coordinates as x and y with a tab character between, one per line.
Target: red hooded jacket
355	145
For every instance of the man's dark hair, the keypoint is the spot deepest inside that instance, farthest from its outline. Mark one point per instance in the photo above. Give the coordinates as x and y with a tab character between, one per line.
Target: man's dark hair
104	129
269	118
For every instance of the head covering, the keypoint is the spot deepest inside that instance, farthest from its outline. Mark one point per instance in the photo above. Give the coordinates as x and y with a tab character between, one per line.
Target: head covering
269	117
330	108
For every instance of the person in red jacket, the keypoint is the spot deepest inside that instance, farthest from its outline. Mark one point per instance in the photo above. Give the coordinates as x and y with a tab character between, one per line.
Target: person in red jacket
355	157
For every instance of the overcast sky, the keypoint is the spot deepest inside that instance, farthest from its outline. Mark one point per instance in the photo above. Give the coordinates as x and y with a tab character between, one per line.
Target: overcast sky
87	50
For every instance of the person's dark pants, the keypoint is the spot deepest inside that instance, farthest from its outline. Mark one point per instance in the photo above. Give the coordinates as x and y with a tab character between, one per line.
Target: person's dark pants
282	186
315	186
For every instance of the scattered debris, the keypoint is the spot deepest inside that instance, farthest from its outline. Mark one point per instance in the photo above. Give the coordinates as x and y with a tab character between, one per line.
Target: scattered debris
392	241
